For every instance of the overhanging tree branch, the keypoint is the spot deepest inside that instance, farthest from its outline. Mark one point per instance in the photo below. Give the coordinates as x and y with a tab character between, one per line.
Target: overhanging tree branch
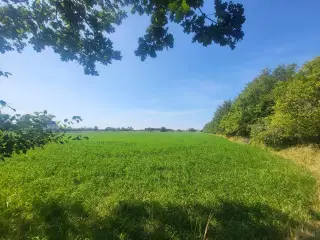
77	29
206	16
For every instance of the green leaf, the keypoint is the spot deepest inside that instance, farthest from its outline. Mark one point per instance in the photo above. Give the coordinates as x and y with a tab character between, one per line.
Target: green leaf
185	7
179	16
173	6
62	25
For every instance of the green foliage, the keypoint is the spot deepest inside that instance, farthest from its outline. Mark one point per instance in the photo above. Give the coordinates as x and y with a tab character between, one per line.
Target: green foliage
256	101
123	129
279	108
152	186
163	129
297	110
20	133
214	126
312	68
78	30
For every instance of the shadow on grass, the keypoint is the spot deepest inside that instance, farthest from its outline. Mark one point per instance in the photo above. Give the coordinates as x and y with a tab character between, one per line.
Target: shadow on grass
150	220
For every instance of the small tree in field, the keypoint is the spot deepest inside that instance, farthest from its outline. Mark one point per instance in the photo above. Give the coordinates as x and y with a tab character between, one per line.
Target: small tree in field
192	130
163	129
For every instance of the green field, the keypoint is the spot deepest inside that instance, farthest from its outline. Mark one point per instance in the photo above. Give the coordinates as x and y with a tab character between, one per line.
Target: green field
152	186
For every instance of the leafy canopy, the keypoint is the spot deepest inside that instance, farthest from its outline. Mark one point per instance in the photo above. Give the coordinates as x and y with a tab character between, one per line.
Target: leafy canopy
279	108
297	108
256	101
78	30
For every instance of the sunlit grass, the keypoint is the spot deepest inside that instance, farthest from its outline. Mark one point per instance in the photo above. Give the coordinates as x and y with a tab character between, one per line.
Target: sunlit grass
152	186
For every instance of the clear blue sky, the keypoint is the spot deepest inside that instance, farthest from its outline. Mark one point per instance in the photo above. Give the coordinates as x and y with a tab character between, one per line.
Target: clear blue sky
181	88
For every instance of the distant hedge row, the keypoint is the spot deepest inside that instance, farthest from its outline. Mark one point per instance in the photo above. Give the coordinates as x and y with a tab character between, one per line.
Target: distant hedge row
279	108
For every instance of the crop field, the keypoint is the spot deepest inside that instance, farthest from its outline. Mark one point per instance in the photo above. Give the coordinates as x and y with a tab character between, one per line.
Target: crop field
138	185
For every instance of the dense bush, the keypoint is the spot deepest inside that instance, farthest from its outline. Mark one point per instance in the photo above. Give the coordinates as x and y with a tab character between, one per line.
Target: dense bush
256	101
297	110
20	133
279	108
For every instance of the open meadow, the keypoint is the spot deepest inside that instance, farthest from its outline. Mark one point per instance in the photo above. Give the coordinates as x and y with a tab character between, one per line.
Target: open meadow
139	185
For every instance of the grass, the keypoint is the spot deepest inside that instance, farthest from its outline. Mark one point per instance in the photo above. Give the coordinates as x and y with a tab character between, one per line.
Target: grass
152	186
307	156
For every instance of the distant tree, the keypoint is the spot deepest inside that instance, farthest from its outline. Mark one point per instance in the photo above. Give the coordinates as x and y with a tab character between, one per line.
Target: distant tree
192	130
95	128
163	129
150	129
123	129
109	129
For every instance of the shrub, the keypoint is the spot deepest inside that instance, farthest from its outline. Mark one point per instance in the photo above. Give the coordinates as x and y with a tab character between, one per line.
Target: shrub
20	133
256	101
296	118
297	109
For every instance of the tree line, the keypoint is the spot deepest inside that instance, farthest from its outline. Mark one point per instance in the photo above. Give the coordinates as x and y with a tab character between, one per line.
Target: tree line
164	129
279	108
96	128
128	129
